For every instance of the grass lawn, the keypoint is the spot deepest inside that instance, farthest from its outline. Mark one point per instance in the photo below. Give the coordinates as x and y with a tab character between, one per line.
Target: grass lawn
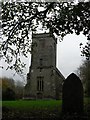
33	104
34	108
36	104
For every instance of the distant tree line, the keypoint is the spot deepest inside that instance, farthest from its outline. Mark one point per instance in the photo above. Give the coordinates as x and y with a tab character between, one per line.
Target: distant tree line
84	74
10	89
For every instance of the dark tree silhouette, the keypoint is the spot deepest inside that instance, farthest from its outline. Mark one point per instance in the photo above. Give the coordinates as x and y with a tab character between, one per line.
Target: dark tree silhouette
84	73
19	18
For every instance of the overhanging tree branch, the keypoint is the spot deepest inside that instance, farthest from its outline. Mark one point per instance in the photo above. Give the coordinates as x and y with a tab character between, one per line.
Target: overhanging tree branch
62	18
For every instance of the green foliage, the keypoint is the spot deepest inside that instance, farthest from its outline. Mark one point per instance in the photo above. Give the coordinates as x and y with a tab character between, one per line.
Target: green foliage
20	18
10	90
7	83
9	94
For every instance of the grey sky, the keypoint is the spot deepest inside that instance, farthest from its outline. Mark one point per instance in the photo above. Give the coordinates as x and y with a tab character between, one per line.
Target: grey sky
68	57
69	53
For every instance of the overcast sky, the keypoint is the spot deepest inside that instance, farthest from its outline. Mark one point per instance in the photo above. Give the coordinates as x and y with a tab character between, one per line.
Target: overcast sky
69	54
68	57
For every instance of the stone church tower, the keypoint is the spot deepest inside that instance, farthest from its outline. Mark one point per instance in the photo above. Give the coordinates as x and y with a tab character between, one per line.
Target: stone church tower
44	80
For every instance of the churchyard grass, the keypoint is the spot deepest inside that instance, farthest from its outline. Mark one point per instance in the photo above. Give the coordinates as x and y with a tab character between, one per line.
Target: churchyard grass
36	104
33	104
33	109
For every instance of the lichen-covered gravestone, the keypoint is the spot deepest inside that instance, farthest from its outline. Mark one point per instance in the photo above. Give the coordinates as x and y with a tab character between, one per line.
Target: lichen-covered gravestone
72	95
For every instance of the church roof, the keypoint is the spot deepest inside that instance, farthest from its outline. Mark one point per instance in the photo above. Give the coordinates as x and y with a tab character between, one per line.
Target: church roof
59	73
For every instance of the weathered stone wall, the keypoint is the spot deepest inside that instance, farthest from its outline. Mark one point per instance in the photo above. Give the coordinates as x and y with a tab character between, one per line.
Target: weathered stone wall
44	47
43	64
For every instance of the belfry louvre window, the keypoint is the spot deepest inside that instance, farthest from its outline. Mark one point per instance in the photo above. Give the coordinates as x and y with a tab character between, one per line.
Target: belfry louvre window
40	84
41	62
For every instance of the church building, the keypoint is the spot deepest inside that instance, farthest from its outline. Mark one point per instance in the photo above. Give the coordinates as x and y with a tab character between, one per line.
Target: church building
44	80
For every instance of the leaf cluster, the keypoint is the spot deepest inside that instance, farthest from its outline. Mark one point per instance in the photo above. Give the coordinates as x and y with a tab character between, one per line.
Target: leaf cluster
19	19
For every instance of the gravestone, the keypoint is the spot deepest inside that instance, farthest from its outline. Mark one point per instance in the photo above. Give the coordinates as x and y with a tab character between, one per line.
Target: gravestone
72	95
